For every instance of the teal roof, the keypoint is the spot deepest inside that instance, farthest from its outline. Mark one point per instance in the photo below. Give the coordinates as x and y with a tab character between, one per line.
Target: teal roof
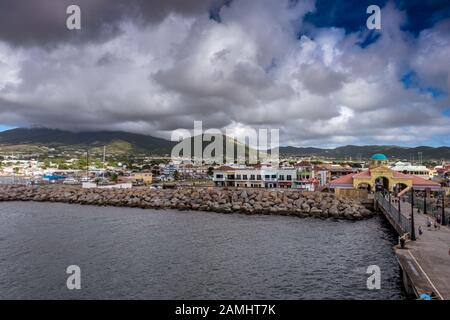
379	156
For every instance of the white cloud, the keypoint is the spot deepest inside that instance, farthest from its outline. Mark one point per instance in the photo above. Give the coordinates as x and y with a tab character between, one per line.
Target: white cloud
250	69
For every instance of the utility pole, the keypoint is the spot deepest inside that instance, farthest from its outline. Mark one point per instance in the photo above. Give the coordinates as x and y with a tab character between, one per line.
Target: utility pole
104	160
413	230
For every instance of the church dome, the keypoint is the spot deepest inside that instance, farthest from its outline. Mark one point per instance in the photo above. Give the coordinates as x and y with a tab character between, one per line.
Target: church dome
379	157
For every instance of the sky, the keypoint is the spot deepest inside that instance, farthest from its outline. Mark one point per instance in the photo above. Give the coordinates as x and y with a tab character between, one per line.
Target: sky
311	69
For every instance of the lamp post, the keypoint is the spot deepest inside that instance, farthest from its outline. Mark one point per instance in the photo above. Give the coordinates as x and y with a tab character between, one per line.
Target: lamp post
413	230
425	203
399	209
443	209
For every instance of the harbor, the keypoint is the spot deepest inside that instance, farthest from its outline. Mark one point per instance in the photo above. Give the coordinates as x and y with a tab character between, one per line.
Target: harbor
130	253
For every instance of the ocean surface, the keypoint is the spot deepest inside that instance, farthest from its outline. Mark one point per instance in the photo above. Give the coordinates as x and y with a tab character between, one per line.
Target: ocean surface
126	253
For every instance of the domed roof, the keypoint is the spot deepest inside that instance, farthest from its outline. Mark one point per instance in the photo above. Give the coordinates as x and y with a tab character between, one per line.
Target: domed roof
379	156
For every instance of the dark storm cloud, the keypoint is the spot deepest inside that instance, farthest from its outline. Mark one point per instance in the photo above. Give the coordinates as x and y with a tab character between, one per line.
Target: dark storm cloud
40	22
155	66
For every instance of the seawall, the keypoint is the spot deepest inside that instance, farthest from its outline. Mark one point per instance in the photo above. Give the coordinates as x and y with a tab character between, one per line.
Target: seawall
247	201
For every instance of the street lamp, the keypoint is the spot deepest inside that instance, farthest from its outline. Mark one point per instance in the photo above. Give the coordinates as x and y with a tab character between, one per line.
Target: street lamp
413	230
425	203
443	209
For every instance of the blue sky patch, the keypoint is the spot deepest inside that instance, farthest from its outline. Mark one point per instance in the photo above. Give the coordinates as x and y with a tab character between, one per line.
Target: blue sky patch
5	127
411	81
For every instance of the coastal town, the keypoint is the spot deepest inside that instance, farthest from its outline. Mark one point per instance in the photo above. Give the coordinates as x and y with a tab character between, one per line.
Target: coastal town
354	183
299	173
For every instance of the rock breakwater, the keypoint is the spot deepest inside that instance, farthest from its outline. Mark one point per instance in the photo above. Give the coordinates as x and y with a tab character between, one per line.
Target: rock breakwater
247	201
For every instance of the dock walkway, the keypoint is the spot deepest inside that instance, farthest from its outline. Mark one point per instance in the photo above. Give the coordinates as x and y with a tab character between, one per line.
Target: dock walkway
426	261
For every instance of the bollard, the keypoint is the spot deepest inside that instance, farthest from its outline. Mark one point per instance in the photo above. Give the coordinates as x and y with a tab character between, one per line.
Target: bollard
402	242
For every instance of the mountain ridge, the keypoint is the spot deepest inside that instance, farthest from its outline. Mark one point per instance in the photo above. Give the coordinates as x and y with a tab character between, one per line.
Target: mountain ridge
56	138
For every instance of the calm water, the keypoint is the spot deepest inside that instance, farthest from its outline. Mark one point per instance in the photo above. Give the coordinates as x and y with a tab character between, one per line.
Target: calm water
146	254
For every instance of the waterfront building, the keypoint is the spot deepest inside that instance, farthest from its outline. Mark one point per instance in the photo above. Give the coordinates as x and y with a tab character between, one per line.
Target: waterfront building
380	176
408	168
306	182
442	174
186	169
141	177
190	170
262	176
443	171
169	169
325	173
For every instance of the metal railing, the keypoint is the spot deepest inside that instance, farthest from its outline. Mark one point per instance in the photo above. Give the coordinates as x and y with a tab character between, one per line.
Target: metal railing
433	206
403	222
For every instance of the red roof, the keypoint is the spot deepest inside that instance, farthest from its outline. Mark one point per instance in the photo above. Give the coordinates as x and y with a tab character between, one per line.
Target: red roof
225	168
365	173
347	179
417	181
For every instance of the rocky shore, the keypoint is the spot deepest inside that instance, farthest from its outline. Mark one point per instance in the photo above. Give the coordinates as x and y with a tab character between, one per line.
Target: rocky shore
247	201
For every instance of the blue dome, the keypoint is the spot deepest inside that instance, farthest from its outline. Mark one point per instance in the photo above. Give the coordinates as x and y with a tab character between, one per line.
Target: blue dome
379	156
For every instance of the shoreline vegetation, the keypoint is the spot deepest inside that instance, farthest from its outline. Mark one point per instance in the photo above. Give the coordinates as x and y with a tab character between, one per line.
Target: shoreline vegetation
245	201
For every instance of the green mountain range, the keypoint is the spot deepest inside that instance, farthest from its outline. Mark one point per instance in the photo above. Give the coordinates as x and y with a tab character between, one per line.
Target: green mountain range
40	140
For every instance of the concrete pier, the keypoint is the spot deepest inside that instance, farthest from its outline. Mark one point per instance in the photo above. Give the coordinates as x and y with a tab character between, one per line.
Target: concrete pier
425	262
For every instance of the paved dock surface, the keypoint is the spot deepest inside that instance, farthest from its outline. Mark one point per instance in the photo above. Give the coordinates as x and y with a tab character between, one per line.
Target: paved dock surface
427	260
